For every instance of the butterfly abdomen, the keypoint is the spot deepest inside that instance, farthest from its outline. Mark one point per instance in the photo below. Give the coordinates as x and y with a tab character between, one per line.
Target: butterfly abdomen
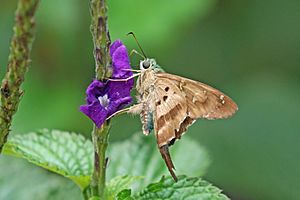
149	125
147	120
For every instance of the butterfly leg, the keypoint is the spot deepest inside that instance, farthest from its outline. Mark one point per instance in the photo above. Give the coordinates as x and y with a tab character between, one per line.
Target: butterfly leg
126	79
133	51
164	151
135	109
131	70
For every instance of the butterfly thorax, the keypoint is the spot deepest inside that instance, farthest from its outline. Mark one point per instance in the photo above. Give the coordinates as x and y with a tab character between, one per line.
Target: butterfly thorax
146	80
145	87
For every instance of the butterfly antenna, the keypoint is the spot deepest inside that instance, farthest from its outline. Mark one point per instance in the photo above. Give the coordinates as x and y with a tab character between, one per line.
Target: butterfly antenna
131	33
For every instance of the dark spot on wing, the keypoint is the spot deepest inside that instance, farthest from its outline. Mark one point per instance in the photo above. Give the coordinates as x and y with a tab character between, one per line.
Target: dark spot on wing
165	98
172	141
158	103
183	127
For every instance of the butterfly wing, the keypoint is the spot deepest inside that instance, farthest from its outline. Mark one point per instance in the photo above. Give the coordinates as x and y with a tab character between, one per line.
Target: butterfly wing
203	101
178	103
170	110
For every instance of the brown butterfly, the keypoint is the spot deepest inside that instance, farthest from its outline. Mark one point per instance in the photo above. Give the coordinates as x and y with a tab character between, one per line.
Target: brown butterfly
169	104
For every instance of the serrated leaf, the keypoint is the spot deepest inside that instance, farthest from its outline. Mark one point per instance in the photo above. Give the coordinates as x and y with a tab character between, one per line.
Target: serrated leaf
68	154
186	188
118	184
139	156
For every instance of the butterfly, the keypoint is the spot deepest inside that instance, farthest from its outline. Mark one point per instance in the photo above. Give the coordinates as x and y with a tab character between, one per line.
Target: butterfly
169	104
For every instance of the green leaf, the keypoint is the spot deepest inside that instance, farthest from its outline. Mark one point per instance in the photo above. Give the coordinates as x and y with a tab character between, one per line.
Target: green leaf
139	156
70	155
67	154
124	195
186	188
119	184
24	181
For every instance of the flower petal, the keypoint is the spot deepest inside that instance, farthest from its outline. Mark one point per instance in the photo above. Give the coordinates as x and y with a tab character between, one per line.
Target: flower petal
117	93
120	60
95	89
95	112
114	46
118	104
119	89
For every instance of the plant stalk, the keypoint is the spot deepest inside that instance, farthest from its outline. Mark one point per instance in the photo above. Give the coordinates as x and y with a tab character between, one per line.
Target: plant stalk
18	63
101	40
100	141
86	194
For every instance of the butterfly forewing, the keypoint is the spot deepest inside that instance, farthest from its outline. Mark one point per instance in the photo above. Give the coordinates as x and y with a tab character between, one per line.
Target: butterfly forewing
202	100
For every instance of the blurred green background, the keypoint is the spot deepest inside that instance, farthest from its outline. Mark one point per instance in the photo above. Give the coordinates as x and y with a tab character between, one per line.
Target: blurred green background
248	49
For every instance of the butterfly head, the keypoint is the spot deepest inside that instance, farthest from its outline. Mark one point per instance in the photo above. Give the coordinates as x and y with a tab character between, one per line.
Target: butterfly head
148	63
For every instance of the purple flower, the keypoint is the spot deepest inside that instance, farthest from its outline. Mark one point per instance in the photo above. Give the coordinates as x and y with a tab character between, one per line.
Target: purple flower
105	98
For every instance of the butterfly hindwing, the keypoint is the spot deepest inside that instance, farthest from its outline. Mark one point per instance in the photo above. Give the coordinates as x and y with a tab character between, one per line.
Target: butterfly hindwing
178	103
169	113
170	110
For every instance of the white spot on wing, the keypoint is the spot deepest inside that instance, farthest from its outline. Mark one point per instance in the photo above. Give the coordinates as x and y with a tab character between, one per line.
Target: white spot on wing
194	100
222	98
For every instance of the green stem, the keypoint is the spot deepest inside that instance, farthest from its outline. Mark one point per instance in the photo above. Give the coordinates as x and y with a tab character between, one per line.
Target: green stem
85	194
18	63
101	40
100	141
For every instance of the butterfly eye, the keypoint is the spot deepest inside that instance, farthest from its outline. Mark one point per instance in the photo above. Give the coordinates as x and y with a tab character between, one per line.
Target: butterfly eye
146	64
